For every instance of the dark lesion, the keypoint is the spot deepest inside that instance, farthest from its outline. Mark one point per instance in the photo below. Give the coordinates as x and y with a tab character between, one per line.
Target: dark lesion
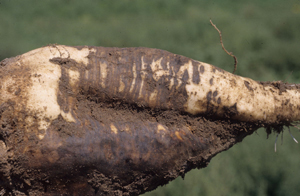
247	84
211	81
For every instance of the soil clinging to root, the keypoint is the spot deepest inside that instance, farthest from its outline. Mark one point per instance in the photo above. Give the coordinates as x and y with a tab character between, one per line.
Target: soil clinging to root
114	146
148	148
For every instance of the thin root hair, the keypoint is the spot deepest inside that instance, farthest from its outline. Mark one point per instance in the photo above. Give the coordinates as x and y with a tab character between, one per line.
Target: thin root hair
281	131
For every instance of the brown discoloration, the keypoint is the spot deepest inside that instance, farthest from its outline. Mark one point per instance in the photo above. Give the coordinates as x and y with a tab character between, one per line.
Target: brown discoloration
123	128
232	82
215	69
119	64
211	81
281	86
230	112
219	100
247	84
17	92
215	94
202	69
196	75
209	97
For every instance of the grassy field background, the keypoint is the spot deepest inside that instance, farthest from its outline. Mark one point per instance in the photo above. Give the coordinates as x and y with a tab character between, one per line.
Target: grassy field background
264	35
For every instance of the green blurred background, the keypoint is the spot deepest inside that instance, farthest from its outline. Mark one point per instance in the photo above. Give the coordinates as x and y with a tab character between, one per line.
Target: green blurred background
264	35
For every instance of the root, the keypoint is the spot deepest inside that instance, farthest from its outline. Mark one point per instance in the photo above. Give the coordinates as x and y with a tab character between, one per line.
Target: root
292	135
296	126
229	53
276	141
277	138
280	130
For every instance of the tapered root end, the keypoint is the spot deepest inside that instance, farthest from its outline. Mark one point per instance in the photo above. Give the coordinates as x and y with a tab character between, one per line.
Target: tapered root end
94	120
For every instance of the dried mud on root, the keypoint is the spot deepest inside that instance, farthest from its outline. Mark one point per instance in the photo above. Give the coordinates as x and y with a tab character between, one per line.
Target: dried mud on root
104	163
115	146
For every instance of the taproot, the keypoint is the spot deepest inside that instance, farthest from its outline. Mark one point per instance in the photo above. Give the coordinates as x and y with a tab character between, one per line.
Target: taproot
119	121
